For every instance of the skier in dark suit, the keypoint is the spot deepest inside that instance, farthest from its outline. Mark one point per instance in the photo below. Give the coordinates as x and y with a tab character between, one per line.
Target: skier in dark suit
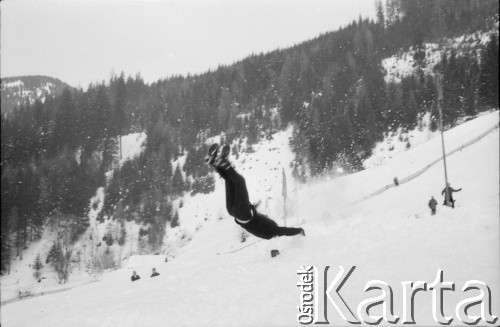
237	202
448	189
432	204
155	273
134	276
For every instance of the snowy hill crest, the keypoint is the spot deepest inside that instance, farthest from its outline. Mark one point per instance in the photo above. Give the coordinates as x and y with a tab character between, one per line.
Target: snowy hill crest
403	64
17	90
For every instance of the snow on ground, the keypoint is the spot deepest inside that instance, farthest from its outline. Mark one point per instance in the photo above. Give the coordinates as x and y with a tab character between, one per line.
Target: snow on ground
390	237
17	84
39	93
180	161
399	141
403	65
132	146
414	160
22	281
21	277
262	167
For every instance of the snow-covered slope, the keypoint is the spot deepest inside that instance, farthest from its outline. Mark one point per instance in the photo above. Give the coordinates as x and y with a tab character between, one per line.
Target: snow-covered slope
132	146
20	281
18	90
390	237
403	64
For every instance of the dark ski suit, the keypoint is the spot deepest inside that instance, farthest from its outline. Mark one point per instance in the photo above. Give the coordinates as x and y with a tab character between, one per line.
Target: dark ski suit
238	205
450	193
432	204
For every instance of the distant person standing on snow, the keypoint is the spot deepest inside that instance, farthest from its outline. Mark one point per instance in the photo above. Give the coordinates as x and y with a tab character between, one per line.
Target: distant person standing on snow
134	276
154	274
448	189
432	204
237	202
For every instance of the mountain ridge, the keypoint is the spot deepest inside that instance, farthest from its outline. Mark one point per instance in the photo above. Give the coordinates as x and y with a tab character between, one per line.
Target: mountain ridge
16	89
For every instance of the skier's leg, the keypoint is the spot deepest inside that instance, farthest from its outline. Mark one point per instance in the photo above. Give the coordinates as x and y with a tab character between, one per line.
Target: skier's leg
288	231
241	203
229	190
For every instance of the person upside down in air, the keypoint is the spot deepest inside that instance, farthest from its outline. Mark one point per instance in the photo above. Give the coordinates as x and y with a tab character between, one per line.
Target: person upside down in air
237	202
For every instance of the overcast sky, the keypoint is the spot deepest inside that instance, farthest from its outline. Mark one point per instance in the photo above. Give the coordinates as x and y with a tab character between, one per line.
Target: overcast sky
84	41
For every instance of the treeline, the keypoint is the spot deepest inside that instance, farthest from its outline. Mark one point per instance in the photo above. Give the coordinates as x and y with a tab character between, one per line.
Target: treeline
12	90
54	156
351	106
332	89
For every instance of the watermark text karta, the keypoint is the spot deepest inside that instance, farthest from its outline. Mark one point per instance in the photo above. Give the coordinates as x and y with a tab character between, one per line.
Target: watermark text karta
312	297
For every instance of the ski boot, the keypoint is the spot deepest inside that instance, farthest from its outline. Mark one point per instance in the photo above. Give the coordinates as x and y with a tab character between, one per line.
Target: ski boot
221	159
212	154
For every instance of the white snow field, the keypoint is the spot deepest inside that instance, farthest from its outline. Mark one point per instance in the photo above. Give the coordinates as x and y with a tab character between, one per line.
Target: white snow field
403	65
390	237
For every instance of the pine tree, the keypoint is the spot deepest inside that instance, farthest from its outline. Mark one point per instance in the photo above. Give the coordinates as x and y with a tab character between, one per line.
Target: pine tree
175	220
14	228
119	109
488	78
5	250
471	89
65	130
109	151
379	8
37	266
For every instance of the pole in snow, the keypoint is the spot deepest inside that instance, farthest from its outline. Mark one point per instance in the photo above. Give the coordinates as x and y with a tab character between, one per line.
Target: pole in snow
439	77
283	192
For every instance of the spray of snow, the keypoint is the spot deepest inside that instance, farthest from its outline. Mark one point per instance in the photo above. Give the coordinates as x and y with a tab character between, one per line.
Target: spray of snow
400	141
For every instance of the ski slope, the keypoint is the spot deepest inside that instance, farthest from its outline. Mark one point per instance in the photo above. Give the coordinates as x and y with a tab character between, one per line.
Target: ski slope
389	237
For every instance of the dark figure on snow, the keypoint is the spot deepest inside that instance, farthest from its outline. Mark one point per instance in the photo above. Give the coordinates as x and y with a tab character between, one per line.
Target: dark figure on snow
432	204
134	276
237	202
155	273
448	189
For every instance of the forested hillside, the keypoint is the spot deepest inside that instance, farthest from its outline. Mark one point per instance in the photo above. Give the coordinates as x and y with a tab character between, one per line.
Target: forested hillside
331	89
20	90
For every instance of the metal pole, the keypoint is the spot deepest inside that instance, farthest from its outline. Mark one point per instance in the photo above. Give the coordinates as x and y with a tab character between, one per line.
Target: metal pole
440	102
297	198
284	210
284	193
